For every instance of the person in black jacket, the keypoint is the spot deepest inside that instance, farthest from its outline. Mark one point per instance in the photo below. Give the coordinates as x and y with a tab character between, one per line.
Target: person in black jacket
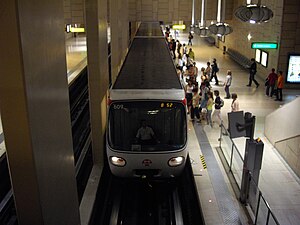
214	70
252	74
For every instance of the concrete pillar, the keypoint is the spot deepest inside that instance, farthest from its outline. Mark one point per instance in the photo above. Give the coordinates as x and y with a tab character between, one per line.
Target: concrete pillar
114	28
34	103
97	52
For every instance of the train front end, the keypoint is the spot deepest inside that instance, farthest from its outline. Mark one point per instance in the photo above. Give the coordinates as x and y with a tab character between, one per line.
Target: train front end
147	138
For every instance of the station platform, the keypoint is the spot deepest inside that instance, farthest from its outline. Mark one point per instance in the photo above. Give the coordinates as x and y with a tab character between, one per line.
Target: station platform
279	185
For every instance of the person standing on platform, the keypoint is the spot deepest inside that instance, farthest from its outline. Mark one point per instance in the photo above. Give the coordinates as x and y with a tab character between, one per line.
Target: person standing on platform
190	37
227	83
173	48
208	70
235	106
271	81
195	105
191	54
279	87
209	108
253	71
179	45
219	103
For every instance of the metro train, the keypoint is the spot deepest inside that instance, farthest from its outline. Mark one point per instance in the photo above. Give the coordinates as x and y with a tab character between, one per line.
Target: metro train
147	122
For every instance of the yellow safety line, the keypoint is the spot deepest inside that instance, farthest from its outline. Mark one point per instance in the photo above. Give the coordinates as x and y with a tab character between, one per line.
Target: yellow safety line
203	161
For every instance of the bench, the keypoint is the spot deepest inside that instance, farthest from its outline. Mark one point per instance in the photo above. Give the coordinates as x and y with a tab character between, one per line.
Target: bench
239	58
210	40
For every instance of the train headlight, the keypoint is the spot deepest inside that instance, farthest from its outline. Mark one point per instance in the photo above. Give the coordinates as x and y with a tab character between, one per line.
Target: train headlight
117	161
176	161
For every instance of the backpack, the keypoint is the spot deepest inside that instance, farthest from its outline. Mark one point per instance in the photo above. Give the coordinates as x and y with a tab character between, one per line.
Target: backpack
217	69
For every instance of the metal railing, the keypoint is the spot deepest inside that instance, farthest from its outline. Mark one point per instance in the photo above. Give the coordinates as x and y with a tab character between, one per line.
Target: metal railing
235	162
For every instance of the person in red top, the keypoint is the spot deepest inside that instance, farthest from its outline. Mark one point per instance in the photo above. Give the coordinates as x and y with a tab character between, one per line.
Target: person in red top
279	87
272	78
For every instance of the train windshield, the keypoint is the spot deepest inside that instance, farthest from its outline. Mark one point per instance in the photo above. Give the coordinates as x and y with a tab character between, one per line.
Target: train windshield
147	126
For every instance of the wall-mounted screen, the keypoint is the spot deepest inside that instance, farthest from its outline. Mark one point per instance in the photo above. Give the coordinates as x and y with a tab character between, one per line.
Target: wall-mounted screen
257	55
264	58
293	74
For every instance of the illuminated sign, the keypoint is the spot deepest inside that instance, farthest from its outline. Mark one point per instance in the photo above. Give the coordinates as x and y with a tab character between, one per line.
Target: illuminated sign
264	45
178	26
77	29
166	105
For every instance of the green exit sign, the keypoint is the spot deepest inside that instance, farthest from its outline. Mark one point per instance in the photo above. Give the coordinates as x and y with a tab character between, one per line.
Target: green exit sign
262	45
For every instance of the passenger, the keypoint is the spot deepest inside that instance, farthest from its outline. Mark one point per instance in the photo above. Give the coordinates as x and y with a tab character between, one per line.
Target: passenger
204	97
173	48
208	70
271	81
191	54
145	134
184	49
209	107
235	106
180	65
196	70
189	94
190	37
279	87
227	83
219	103
252	74
195	105
179	45
214	71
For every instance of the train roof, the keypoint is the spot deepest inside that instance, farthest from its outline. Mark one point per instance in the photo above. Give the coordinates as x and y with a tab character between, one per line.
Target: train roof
149	29
148	65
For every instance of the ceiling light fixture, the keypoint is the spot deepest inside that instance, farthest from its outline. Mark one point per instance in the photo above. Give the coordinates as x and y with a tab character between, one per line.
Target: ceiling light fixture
254	13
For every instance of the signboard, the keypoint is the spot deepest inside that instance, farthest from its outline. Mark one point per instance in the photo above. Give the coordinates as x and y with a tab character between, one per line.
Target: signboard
178	26
293	74
264	45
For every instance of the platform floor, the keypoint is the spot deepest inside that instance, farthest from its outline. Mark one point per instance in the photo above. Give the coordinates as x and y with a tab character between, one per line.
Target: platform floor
278	183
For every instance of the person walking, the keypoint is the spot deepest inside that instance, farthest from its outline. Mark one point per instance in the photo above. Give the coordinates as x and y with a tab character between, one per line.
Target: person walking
214	71
227	83
253	70
271	81
279	86
235	106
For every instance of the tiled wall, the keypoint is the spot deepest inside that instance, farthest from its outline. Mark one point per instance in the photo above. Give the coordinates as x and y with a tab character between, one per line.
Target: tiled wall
162	10
74	11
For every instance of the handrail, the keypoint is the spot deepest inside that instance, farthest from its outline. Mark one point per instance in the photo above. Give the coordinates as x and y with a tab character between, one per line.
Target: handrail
287	138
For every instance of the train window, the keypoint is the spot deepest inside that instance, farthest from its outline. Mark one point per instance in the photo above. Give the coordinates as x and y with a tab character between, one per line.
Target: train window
166	119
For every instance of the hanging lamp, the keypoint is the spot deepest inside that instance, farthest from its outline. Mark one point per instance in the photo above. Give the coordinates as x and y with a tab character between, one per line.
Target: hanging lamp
254	13
220	28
